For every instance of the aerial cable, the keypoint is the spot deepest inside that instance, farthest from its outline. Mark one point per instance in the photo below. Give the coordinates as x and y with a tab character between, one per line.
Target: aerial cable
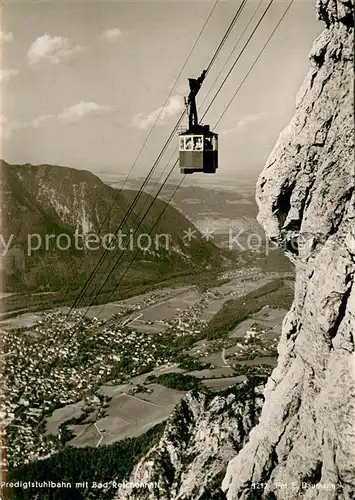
134	202
239	56
256	60
135	232
250	69
213	84
124	220
237	59
165	103
130	210
230	27
211	87
224	81
49	368
236	44
209	66
156	120
219	89
230	55
226	35
220	118
166	205
145	182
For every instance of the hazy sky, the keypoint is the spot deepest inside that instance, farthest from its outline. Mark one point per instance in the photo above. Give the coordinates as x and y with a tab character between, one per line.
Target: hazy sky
83	81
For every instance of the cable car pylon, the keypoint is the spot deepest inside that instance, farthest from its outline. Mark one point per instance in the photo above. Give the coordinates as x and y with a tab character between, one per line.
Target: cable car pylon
198	146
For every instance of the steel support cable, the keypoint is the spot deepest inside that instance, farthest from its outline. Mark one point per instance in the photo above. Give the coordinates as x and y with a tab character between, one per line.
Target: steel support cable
213	84
235	62
251	68
167	142
226	35
210	65
215	96
256	60
155	197
223	113
232	51
259	55
238	57
72	307
147	139
97	266
149	234
231	69
50	367
235	18
124	220
154	124
236	44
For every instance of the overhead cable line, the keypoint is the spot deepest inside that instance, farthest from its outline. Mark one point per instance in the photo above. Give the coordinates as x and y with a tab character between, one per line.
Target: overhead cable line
235	62
166	205
255	62
130	210
239	56
235	18
220	118
232	51
217	92
155	123
224	65
123	221
236	44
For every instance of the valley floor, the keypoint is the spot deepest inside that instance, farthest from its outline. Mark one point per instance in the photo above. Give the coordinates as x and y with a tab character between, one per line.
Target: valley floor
116	374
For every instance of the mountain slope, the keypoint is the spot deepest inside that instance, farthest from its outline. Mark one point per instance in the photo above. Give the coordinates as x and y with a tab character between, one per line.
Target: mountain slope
47	211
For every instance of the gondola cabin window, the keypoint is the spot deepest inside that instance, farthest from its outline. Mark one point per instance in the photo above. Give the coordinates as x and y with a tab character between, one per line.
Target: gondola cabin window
191	143
211	143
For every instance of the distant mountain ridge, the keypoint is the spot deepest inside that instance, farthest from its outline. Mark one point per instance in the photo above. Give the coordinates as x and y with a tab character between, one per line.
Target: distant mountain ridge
43	200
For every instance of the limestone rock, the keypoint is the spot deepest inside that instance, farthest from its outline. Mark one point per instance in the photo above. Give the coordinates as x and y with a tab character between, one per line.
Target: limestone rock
202	435
304	444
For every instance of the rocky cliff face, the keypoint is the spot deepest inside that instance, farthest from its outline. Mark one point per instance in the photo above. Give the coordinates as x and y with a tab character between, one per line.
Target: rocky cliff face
304	444
200	437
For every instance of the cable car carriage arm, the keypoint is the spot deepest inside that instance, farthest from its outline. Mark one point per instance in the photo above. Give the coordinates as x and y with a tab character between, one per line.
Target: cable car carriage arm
198	151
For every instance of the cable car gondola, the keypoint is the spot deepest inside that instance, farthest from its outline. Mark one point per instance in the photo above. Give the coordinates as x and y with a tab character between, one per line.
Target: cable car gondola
198	146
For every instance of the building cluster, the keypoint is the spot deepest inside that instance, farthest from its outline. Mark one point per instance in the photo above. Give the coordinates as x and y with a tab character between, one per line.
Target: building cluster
57	364
61	361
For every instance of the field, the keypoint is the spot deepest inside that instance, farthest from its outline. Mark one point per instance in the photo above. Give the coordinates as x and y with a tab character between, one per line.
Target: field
276	293
152	334
166	310
61	415
220	384
128	415
136	406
